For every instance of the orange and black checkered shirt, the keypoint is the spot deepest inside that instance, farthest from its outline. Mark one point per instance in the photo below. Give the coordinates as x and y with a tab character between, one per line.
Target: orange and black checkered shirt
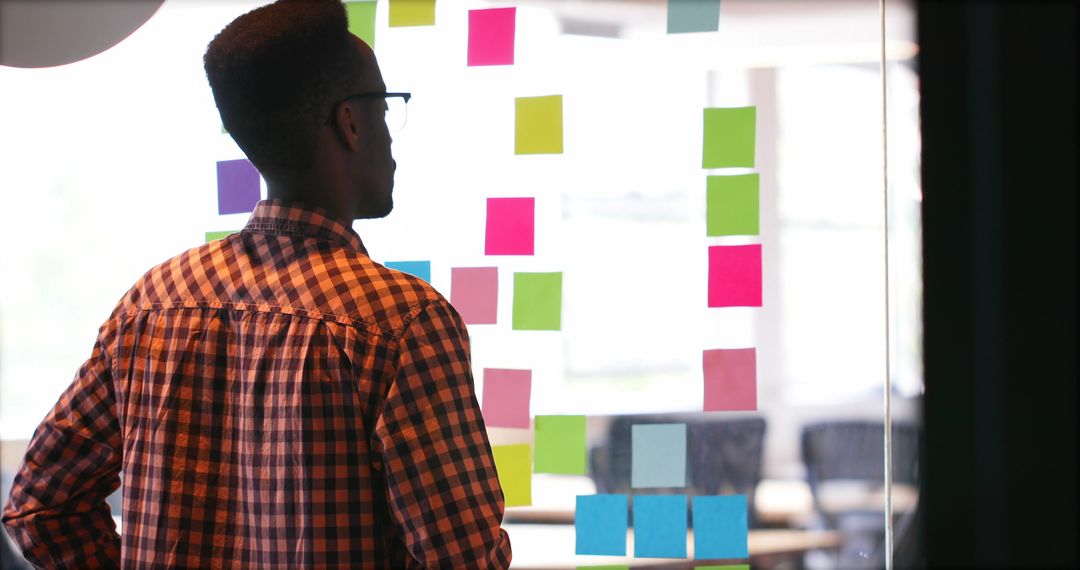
274	399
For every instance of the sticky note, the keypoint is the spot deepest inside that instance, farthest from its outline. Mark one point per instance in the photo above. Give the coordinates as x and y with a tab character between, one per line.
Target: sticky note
419	268
732	205
214	236
693	16
658	455
237	186
491	36
538	125
506	394
513	463
720	527
724	567
474	293
729	137
405	13
604	567
660	526
537	301
361	15
735	275
730	379
560	445
510	228
600	523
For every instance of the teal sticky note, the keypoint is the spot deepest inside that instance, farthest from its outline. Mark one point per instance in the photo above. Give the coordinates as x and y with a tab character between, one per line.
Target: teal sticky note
361	15
559	445
729	137
660	526
537	301
600	523
732	205
658	455
693	16
421	269
720	527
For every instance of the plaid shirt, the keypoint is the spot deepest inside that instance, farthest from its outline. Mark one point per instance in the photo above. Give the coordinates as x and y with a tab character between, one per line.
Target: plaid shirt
274	399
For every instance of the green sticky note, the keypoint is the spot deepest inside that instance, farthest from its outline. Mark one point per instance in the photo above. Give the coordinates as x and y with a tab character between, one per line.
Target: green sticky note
560	445
724	567
537	301
223	131
538	125
213	236
732	205
729	137
405	13
362	20
514	465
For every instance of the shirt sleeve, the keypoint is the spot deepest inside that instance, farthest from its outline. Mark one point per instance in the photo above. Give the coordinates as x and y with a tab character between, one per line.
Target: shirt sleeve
442	487
57	512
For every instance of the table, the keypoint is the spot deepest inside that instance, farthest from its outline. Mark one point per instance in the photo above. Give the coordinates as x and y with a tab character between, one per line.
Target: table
551	546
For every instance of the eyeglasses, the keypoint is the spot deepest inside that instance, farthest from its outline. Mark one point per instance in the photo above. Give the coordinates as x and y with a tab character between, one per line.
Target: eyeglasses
396	109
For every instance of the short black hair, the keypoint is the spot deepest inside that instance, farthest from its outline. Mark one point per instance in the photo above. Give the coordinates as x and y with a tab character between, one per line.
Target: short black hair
275	71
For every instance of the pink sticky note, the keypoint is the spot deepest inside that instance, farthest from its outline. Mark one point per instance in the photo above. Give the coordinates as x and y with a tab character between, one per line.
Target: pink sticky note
510	224
735	275
506	397
730	379
474	292
491	36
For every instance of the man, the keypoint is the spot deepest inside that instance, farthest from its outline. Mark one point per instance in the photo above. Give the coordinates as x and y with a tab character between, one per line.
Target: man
275	399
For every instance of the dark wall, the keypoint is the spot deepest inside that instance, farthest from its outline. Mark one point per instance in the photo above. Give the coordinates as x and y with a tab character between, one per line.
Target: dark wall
998	82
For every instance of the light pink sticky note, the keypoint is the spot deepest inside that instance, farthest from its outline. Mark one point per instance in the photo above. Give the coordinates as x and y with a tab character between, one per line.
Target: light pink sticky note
491	36
730	379
474	292
735	275
506	397
510	225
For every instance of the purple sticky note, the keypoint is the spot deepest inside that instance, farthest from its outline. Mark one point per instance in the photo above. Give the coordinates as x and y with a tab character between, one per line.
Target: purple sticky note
510	225
474	292
506	397
735	275
730	379
237	186
491	36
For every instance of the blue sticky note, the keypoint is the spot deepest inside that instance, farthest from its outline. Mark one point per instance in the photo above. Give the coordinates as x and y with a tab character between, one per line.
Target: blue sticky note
660	526
421	269
720	527
658	455
693	16
600	523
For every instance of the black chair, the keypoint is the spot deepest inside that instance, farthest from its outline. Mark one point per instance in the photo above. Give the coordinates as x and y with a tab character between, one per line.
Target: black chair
722	456
854	452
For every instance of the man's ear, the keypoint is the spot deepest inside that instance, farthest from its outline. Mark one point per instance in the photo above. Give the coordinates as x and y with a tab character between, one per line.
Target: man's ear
347	126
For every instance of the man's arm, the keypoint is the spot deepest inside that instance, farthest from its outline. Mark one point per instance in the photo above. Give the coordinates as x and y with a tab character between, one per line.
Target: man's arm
57	512
441	481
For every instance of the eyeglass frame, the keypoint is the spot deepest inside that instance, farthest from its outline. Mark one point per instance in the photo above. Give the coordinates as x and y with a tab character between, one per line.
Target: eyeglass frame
374	95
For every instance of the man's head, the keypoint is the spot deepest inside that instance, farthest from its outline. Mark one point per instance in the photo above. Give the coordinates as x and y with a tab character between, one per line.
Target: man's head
280	75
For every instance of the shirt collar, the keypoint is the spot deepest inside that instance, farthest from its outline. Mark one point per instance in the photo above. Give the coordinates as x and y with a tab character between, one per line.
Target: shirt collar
294	218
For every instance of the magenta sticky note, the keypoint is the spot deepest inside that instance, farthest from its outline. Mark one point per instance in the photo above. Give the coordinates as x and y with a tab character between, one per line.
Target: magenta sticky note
735	275
510	224
491	36
474	292
505	400
730	379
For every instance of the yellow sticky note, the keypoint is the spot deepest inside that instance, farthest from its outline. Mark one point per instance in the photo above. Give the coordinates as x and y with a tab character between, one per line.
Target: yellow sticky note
538	125
514	464
405	13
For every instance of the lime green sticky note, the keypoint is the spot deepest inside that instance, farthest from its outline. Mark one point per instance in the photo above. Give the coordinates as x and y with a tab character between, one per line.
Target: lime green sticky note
537	301
724	567
405	13
362	20
560	445
732	205
213	236
514	464
729	137
538	125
